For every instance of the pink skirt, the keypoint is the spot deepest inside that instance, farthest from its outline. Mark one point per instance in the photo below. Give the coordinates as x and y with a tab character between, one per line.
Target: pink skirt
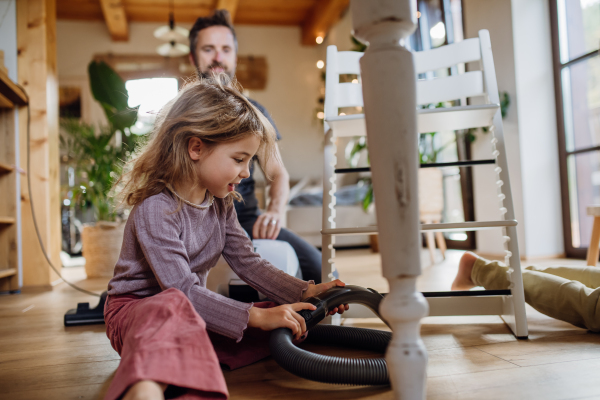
162	338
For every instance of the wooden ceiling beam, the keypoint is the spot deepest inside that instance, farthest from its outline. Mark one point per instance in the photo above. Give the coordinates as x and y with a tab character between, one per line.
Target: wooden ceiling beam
321	18
116	21
229	5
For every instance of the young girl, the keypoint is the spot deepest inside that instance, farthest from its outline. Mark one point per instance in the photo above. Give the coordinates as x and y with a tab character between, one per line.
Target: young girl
182	186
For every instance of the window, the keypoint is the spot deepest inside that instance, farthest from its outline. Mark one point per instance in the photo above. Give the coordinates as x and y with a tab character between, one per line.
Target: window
151	95
439	24
575	40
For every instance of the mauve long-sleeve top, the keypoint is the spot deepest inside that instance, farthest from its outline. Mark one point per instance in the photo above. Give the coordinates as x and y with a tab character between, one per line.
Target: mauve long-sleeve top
164	248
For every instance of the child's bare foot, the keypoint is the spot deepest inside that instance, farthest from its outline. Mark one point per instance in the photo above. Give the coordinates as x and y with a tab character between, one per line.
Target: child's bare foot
146	390
463	279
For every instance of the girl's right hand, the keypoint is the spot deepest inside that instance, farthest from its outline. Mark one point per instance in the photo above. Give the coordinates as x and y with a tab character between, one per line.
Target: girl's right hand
284	316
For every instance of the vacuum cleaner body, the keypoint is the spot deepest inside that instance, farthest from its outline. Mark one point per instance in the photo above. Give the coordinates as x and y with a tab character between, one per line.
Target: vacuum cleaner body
224	281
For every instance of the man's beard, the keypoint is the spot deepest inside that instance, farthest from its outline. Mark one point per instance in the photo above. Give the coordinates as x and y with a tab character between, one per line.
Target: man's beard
209	73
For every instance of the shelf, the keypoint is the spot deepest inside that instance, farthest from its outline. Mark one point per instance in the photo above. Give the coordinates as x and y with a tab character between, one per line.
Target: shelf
428	120
5	168
7	220
5	103
4	273
11	91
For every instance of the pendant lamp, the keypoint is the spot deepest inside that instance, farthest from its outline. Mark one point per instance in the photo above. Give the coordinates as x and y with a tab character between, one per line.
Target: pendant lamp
172	49
172	34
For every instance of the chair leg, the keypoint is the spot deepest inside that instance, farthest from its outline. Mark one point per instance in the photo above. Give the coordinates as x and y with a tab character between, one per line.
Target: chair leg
430	243
592	254
441	243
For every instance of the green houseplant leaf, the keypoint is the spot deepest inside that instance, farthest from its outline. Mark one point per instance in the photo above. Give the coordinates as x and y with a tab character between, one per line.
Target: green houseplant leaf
93	151
109	90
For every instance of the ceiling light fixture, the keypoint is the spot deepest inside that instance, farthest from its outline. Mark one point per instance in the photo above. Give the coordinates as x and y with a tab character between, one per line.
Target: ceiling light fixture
172	49
172	34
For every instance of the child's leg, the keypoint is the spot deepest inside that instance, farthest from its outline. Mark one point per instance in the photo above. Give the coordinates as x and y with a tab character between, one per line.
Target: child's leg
557	297
162	339
589	276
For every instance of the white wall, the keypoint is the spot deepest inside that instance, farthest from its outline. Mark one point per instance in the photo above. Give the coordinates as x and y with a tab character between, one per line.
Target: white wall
8	36
537	128
521	43
290	96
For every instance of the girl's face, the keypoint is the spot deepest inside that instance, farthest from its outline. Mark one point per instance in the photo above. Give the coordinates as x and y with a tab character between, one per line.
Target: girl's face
221	167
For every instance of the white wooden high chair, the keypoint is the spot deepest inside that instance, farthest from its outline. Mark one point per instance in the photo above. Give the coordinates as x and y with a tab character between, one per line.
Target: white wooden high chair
510	303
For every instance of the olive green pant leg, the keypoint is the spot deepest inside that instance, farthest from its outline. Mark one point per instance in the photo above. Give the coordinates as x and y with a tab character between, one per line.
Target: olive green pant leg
553	295
589	276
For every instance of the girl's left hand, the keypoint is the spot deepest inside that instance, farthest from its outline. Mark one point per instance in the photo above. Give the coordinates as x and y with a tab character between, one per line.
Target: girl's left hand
314	290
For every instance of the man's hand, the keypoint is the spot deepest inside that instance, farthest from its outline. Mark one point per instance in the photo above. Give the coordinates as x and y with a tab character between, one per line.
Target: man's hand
314	290
267	226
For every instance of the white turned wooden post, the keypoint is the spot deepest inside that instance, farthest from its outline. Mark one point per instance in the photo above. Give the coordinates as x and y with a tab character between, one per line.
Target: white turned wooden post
389	92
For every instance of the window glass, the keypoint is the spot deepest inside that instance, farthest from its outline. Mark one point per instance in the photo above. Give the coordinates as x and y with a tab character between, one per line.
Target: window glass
578	27
584	190
581	104
151	95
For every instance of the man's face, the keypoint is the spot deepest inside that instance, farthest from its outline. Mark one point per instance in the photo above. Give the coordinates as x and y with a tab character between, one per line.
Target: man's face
215	51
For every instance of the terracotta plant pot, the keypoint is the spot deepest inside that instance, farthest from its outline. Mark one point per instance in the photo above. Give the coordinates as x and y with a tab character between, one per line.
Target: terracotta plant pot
101	247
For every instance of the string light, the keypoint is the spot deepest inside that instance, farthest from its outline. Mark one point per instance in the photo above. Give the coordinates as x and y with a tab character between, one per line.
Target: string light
320	64
319	39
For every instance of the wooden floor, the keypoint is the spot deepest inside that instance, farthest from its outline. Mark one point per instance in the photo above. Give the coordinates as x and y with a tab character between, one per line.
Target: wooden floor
469	357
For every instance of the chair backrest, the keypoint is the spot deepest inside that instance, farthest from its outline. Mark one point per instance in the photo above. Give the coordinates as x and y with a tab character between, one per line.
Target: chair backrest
453	87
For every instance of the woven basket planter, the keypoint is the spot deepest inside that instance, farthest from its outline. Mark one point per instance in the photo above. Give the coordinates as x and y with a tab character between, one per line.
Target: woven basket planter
101	247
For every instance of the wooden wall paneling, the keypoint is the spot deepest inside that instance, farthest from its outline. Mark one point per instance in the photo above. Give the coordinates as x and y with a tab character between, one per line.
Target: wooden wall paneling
322	17
36	40
116	19
229	5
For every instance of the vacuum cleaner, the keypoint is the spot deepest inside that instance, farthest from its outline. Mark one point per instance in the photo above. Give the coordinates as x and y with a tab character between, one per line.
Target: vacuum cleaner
321	368
316	367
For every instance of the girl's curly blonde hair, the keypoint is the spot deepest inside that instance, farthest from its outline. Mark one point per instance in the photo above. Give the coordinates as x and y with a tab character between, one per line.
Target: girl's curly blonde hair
213	110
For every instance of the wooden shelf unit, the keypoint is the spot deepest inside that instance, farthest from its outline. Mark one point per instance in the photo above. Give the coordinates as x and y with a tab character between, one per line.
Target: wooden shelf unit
11	96
5	168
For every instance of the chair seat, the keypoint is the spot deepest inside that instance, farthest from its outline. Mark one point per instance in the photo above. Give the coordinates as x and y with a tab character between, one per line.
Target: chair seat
428	120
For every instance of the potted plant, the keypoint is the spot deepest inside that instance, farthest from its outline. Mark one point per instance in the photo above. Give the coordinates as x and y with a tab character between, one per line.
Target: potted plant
96	154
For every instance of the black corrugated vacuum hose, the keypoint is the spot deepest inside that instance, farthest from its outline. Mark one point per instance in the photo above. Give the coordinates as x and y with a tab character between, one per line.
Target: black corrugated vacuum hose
316	367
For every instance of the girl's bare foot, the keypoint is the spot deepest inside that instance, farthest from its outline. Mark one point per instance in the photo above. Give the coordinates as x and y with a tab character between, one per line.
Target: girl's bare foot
146	390
463	279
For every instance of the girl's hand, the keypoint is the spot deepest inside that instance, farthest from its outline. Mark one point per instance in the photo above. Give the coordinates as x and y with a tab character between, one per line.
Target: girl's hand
285	316
314	290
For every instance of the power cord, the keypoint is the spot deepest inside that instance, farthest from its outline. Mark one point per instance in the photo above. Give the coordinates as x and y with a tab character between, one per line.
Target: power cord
35	224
